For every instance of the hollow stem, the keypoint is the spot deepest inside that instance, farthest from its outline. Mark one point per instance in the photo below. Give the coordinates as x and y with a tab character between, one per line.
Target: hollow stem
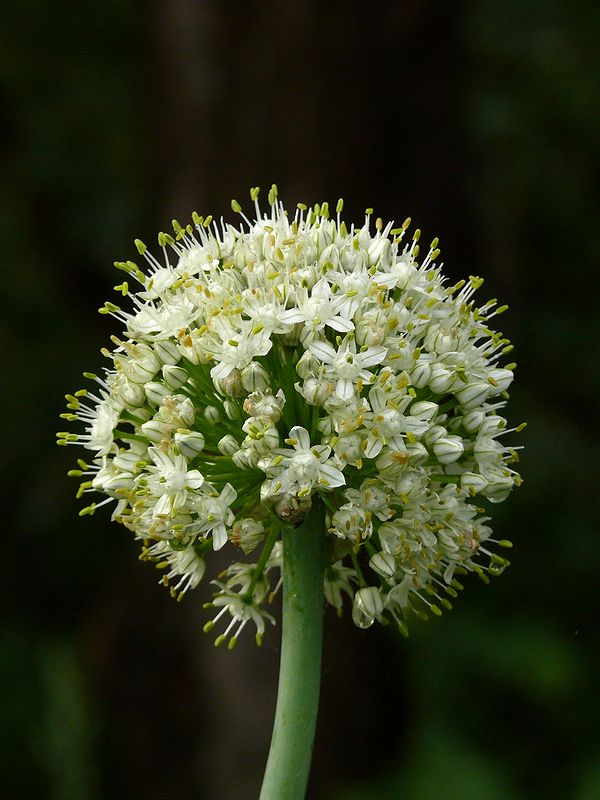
288	765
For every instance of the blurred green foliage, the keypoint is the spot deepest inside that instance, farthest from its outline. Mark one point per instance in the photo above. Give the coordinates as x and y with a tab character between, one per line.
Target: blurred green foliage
497	700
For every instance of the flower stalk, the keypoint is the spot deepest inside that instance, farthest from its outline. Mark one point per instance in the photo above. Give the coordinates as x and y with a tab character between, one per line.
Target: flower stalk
288	765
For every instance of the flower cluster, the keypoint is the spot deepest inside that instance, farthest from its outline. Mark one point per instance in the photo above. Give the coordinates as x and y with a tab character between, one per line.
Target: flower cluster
279	362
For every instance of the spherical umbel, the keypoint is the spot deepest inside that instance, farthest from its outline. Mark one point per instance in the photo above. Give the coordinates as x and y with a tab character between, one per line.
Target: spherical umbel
291	357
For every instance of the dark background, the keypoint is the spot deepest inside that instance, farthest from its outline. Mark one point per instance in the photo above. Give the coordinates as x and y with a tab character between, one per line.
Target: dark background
480	120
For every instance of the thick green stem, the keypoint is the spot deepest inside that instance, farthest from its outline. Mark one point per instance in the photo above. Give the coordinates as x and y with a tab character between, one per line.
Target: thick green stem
289	759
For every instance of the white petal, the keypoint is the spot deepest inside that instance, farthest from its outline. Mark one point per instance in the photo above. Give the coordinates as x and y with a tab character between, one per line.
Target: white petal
194	479
228	494
292	316
219	536
340	324
344	389
324	351
303	437
221	370
383	279
163	507
333	476
321	290
374	446
372	356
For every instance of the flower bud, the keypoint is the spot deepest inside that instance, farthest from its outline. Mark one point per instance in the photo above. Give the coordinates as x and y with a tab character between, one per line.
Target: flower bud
246	459
383	564
156	430
259	404
167	351
378	250
367	605
231	385
231	409
441	340
420	374
417	454
433	434
211	414
308	364
174	377
142	366
454	425
316	391
448	449
130	394
472	482
247	533
156	392
371	335
184	411
228	445
473	395
255	377
472	420
423	409
189	443
349	448
441	379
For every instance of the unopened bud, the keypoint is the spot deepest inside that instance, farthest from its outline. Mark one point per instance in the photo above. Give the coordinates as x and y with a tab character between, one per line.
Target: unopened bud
367	605
473	395
231	385
441	379
228	445
156	430
167	352
255	377
383	564
189	443
448	449
211	414
247	533
175	377
156	392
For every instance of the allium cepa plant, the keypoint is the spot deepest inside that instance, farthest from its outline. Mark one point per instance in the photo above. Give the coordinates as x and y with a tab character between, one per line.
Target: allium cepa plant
288	360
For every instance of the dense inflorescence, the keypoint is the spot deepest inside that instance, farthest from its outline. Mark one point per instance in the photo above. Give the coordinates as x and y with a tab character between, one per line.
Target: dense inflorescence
281	362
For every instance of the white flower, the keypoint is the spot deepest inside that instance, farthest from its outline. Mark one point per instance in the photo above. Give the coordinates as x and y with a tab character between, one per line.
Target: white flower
351	522
215	514
236	349
295	360
102	424
346	364
305	466
398	273
185	565
317	309
170	481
